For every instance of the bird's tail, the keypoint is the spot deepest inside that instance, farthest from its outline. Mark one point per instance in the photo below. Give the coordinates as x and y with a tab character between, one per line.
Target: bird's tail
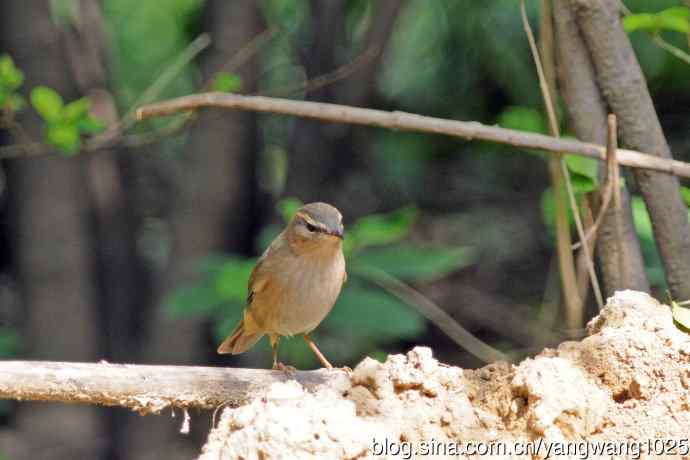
239	341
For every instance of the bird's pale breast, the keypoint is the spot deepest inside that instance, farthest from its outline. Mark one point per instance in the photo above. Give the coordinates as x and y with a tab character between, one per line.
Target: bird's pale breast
309	287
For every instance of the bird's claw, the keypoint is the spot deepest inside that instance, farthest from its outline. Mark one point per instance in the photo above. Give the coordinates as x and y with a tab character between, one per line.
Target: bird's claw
288	370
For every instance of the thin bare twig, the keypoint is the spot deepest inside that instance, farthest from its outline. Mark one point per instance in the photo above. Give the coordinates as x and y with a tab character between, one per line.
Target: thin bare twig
612	178
186	56
329	78
404	121
245	53
111	139
543	84
433	313
585	246
566	261
581	259
672	49
564	168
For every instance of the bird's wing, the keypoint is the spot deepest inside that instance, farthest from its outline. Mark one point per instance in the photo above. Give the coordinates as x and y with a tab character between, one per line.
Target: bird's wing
259	278
257	281
263	288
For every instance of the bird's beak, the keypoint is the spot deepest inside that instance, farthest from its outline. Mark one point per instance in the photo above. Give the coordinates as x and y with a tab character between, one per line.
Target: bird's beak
337	234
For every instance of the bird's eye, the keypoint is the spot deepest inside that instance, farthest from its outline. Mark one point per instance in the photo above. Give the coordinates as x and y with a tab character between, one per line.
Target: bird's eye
311	228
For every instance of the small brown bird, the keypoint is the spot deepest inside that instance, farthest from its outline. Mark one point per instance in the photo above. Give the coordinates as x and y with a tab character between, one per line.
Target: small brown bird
295	282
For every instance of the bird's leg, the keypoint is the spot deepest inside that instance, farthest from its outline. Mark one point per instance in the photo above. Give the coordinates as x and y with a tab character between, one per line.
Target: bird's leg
274	347
278	366
317	352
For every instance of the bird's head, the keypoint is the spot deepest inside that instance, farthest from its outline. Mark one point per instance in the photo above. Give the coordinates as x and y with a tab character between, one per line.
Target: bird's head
316	226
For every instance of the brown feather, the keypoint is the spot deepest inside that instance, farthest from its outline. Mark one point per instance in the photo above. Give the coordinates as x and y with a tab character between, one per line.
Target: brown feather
239	341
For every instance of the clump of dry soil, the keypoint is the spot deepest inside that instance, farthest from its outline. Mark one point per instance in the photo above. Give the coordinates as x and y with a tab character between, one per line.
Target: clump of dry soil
628	380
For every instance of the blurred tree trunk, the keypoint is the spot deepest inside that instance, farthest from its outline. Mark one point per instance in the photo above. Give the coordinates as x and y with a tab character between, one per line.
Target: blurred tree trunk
322	155
53	246
625	89
587	114
213	212
312	159
119	267
121	277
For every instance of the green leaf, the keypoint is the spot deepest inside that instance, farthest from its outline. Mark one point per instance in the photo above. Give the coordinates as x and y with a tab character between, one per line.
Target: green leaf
641	21
643	227
11	77
582	183
643	223
226	82
65	137
588	167
231	281
90	125
681	315
673	19
287	208
372	313
548	209
198	298
381	229
410	263
47	102
76	110
523	119
221	283
685	194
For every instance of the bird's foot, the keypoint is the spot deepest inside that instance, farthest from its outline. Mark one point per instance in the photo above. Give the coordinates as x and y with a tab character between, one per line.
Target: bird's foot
289	370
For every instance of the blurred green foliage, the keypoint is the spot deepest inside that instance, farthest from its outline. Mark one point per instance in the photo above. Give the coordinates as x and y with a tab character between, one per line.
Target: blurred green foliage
523	119
226	82
64	124
674	19
165	26
11	79
365	316
643	226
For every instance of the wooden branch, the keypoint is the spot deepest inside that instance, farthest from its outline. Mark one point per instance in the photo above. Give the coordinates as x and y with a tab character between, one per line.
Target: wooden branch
409	122
143	388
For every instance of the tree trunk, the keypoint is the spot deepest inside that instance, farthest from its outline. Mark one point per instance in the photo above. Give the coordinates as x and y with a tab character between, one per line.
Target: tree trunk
312	160
624	87
587	114
213	212
53	247
321	156
121	277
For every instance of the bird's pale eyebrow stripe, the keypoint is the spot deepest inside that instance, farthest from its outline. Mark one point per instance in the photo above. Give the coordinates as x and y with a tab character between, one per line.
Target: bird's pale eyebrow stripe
308	219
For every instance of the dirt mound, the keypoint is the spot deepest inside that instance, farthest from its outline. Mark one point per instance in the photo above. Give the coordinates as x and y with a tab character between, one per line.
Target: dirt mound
623	389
